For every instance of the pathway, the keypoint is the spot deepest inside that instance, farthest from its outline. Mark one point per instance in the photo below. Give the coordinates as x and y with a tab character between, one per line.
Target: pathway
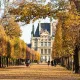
37	72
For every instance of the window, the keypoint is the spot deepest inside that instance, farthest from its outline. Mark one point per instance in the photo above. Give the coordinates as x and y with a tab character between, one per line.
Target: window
41	51
49	51
41	43
49	43
35	44
41	39
41	58
49	58
35	48
49	39
45	58
45	43
45	39
45	51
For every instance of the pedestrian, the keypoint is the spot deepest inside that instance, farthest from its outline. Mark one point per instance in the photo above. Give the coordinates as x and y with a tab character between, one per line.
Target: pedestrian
48	63
27	62
54	62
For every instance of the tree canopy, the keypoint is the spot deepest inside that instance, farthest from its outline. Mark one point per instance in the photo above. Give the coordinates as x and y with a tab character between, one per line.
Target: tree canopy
31	11
67	33
11	27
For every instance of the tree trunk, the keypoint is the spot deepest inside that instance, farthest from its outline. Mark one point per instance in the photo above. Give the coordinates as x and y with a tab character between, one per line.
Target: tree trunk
62	61
68	63
7	61
13	62
16	61
0	61
76	60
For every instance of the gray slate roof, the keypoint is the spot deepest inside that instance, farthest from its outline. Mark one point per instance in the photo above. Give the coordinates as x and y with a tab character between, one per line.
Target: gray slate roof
44	26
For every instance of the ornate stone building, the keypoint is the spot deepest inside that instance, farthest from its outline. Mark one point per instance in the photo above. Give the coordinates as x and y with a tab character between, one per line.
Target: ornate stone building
42	40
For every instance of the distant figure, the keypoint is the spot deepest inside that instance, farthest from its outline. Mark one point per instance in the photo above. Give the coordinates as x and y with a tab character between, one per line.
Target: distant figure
27	62
54	62
48	63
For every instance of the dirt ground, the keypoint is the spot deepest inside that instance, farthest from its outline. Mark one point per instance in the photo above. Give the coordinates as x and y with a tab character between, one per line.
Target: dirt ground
37	72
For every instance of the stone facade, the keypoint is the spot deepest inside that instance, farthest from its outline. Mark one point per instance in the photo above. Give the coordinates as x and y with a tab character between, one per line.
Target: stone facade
42	40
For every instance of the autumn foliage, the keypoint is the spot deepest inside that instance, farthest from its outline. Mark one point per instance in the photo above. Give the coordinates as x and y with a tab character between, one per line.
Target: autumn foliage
31	11
11	46
32	55
67	32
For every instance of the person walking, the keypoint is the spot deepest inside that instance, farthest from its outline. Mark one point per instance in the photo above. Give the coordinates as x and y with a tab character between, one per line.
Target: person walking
48	63
27	62
54	62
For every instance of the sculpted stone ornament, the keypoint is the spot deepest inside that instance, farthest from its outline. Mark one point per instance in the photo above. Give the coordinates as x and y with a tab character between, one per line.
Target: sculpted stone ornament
44	32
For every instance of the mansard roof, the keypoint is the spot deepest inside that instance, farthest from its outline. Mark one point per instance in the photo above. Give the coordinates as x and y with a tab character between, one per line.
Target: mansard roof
36	34
44	26
45	32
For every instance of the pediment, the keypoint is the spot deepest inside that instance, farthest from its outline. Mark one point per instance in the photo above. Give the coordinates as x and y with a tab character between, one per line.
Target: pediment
45	32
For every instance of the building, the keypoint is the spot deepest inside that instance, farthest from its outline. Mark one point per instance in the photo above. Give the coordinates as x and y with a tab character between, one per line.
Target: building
29	45
42	40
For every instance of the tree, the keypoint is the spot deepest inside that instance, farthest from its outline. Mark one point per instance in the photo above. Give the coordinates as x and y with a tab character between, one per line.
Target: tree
8	51
77	4
11	28
68	16
2	43
37	56
30	11
57	44
16	48
67	41
23	49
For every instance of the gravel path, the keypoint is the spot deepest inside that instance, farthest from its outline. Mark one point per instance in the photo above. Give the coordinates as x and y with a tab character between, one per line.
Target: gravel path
37	72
